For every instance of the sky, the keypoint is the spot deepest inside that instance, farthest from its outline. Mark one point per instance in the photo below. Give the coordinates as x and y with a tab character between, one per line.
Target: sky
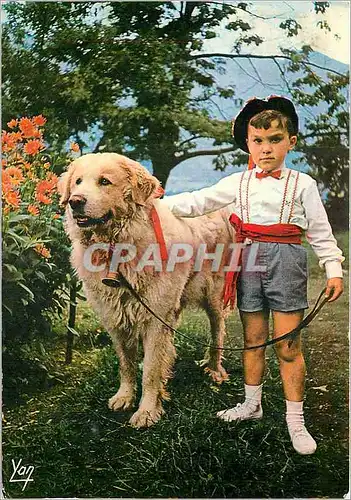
335	44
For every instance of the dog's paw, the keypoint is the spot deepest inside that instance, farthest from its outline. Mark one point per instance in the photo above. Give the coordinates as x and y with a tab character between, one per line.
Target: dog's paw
121	401
146	418
219	375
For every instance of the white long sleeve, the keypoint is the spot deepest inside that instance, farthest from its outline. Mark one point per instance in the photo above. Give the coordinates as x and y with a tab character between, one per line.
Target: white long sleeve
204	200
319	233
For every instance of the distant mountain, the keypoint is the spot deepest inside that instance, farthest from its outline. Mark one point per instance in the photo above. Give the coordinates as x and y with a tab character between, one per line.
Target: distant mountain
199	172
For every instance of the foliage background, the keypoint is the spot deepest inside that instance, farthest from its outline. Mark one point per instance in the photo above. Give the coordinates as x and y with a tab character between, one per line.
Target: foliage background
132	77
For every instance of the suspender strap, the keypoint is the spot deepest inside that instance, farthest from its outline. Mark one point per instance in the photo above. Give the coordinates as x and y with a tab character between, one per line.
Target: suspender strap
287	206
244	194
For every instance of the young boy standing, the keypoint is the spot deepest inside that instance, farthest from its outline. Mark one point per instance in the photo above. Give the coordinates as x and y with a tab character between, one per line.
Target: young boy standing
283	204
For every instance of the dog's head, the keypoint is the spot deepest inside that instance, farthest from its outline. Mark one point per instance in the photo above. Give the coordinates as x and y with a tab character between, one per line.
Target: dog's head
103	186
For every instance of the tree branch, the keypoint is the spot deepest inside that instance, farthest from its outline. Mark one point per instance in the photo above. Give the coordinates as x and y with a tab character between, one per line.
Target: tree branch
189	140
256	56
204	152
283	75
219	109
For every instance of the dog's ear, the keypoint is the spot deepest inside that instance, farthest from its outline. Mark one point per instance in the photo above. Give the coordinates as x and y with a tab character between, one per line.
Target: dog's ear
144	185
63	187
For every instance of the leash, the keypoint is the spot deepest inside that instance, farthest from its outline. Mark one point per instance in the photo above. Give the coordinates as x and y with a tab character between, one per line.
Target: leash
289	335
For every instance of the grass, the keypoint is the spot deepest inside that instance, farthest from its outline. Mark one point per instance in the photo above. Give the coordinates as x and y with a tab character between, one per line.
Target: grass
79	448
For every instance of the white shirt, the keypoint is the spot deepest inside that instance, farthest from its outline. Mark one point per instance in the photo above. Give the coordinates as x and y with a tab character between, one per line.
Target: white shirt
265	200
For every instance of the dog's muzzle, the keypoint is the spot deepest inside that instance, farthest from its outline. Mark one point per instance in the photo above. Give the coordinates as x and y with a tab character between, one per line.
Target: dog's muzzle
83	221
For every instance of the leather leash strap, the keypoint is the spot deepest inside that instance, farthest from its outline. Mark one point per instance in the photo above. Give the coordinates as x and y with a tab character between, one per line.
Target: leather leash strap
289	335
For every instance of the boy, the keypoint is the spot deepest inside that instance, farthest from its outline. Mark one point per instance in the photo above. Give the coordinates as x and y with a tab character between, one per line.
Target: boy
274	199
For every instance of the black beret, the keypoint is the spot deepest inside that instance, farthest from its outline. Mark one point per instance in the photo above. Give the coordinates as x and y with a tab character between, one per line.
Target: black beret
255	106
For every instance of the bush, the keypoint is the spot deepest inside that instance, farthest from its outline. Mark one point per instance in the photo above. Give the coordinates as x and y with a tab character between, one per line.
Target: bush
36	269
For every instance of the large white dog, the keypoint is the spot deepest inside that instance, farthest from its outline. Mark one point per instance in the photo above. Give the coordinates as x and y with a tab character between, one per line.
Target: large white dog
108	199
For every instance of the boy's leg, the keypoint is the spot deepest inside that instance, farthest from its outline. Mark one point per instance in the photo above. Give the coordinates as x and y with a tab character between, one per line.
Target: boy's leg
291	360
292	372
256	330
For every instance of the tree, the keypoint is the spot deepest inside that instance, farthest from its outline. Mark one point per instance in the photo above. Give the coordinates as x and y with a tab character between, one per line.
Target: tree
326	138
131	73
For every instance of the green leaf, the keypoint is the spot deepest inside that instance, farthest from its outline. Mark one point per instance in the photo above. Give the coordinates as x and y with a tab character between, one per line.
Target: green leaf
17	237
7	308
19	217
40	275
31	294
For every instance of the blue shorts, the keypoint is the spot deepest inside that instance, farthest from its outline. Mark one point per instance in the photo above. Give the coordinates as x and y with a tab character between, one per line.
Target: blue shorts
281	282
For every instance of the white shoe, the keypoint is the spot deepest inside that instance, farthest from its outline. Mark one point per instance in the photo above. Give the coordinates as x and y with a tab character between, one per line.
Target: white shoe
241	412
302	440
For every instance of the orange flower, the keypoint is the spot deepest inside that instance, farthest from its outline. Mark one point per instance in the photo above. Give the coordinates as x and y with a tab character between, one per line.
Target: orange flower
15	175
42	198
3	162
33	210
75	147
46	165
27	165
45	189
56	216
8	141
42	250
12	123
39	120
16	136
12	198
6	182
27	127
33	147
37	134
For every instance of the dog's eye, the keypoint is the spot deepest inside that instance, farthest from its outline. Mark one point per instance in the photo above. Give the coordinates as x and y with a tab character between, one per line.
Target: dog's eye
79	180
104	182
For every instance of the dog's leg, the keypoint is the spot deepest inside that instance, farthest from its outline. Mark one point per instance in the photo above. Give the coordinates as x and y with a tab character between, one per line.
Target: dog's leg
159	356
214	356
127	352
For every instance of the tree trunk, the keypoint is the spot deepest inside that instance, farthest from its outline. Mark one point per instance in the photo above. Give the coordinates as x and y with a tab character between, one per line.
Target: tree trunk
161	146
161	168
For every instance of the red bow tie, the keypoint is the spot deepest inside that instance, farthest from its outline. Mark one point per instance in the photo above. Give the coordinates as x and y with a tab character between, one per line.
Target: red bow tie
263	174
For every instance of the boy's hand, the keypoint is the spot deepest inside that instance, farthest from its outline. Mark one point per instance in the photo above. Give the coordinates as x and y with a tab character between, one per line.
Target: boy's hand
335	287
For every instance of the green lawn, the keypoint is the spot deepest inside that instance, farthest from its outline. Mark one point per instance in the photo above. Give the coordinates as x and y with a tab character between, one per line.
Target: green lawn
79	448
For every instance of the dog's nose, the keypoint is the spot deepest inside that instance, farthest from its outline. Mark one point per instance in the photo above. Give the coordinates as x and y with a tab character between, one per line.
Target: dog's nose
77	202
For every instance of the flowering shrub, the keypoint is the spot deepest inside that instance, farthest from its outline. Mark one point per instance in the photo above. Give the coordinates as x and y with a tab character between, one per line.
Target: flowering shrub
35	249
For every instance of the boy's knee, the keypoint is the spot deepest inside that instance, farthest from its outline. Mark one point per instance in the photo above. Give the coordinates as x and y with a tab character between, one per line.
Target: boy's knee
286	353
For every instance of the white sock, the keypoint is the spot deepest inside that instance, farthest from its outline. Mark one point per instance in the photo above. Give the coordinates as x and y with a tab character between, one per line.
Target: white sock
253	395
294	414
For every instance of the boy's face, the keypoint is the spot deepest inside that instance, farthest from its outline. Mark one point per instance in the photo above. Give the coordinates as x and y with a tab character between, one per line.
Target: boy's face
269	148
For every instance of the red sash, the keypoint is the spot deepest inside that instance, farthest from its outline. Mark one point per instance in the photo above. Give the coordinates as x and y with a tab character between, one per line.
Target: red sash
277	233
